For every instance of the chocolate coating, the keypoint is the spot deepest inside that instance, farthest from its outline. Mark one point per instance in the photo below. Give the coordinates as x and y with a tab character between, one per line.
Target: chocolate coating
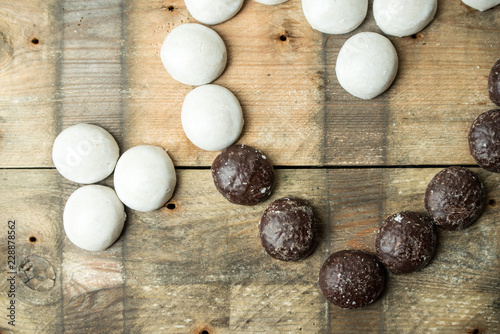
455	198
494	83
484	140
288	229
243	175
406	242
352	278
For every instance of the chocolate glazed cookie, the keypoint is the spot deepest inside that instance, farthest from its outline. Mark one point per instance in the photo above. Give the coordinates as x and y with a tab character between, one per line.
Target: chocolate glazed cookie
494	83
243	175
484	140
352	278
288	229
455	198
406	242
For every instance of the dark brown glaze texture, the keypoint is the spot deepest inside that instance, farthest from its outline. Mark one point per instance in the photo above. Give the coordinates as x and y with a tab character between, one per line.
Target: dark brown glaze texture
484	140
288	229
352	278
455	198
406	242
243	175
494	83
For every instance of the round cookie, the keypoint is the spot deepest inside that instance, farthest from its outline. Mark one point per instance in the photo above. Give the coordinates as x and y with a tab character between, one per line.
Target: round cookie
351	278
481	5
403	17
194	54
144	178
212	117
406	242
484	140
335	17
366	65
288	229
93	217
213	11
85	153
271	2
494	83
454	198
243	175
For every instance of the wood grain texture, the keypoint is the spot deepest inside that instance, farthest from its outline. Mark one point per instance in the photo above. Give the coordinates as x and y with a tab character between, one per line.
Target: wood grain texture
90	70
33	201
98	62
197	264
200	266
30	32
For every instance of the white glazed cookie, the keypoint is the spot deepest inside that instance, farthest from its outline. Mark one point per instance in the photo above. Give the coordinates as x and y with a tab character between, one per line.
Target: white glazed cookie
93	217
481	5
213	11
366	65
335	17
403	17
212	117
144	178
85	153
194	54
271	2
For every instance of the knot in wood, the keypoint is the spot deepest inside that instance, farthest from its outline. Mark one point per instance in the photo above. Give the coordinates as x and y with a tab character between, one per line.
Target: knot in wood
6	50
37	273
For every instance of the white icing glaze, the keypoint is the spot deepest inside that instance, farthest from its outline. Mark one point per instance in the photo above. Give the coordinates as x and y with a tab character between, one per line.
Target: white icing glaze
481	5
366	65
85	153
213	11
144	178
271	2
335	17
403	17
212	117
93	217
194	54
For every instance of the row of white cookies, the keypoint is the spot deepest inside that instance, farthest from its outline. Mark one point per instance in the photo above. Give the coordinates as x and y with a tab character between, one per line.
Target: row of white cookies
333	17
196	55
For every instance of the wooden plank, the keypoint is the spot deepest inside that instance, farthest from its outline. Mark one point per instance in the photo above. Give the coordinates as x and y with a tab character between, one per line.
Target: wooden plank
98	62
31	200
30	33
91	74
200	266
91	85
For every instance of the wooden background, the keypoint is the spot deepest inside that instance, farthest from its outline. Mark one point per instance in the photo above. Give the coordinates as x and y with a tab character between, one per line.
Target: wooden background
196	265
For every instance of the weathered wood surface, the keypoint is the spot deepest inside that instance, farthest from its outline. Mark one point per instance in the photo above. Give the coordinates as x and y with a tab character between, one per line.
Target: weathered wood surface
199	266
98	61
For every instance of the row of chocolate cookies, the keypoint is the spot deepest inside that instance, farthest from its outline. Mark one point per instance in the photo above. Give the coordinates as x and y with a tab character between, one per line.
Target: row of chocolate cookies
406	241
